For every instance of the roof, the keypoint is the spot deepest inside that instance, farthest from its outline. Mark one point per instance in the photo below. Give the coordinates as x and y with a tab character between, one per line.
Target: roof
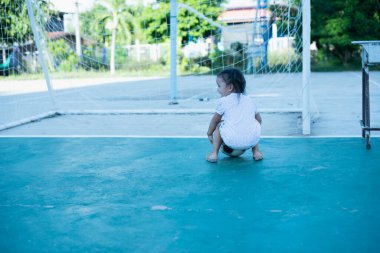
238	15
57	35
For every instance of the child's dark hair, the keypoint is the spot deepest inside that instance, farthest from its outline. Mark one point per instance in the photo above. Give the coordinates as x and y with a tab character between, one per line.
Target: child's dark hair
233	77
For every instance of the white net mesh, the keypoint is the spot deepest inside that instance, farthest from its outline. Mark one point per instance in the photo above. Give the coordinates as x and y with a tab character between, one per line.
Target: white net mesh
113	56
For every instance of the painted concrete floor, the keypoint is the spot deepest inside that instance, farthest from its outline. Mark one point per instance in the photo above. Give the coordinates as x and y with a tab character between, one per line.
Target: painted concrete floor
160	195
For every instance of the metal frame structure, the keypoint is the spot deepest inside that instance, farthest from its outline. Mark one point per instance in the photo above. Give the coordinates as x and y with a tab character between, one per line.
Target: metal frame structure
370	56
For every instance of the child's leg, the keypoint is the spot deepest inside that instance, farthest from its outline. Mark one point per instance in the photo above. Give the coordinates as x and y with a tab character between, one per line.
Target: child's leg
216	143
257	155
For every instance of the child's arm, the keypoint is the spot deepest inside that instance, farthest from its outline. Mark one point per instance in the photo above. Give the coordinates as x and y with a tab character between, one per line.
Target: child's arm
213	124
258	117
257	155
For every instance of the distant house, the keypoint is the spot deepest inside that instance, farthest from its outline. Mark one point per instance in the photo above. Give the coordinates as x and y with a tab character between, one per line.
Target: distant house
56	29
69	37
238	16
241	27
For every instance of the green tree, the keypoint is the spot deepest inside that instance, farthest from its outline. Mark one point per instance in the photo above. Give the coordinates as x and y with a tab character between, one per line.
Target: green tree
65	57
14	20
336	23
93	24
116	15
156	20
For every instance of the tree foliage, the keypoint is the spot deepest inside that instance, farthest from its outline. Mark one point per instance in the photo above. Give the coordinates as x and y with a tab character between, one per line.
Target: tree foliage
14	20
156	20
93	24
189	23
336	23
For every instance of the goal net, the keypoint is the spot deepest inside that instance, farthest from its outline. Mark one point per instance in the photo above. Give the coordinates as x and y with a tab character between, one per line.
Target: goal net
115	57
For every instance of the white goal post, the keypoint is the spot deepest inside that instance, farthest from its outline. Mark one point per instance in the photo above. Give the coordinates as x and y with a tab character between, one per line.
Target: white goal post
268	40
306	26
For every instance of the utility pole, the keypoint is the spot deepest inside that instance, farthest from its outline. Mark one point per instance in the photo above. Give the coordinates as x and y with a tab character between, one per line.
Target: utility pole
77	31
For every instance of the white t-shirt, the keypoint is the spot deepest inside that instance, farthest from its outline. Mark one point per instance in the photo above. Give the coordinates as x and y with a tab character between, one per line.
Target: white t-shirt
239	128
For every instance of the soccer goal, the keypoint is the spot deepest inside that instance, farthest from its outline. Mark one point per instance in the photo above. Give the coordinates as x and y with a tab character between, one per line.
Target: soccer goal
115	57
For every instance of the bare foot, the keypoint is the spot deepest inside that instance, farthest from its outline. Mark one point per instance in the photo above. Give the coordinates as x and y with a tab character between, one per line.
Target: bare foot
257	156
212	158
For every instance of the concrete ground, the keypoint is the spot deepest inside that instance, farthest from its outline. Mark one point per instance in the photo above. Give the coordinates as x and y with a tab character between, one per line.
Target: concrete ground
141	106
160	195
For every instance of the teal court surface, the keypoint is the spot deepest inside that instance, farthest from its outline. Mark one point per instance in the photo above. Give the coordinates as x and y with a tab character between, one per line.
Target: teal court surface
160	195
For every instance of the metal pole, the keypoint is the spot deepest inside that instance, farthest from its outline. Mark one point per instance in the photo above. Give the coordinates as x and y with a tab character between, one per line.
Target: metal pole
306	67
367	121
40	53
77	30
251	65
173	52
265	33
363	94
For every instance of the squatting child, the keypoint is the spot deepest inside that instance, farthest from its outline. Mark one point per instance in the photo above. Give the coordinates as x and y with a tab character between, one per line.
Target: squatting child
236	122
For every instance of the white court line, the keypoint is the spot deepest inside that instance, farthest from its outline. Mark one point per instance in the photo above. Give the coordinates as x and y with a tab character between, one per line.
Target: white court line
374	82
177	136
370	80
164	111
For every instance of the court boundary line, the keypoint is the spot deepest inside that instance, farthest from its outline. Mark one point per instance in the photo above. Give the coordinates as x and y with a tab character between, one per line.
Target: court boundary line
178	136
371	80
178	111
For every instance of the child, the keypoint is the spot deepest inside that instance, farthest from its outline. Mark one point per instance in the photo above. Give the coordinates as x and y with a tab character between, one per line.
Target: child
236	122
